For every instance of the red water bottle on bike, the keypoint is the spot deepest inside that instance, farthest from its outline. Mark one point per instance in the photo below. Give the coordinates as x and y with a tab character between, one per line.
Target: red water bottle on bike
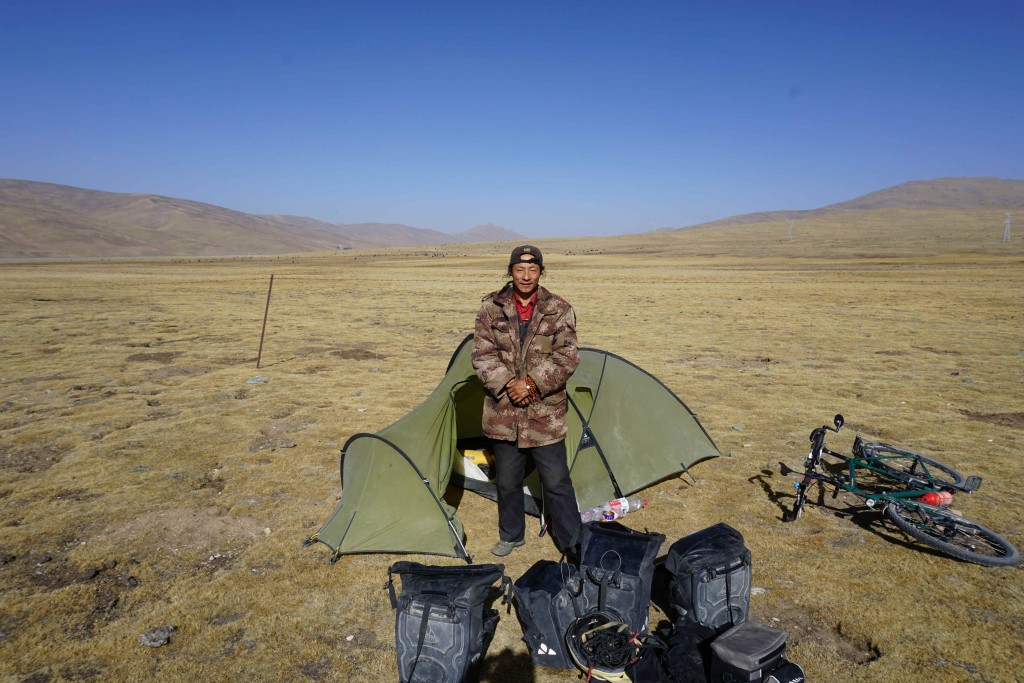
937	498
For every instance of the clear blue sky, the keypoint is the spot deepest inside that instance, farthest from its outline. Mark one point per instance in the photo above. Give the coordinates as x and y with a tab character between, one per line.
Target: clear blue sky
548	118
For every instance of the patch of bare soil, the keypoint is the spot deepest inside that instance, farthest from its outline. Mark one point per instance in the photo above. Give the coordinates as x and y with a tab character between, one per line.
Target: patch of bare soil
316	369
186	529
32	460
357	354
276	435
802	626
1015	420
164	357
108	584
52	573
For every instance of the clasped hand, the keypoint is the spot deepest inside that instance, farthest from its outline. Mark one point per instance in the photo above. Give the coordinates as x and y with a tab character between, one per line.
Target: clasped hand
519	393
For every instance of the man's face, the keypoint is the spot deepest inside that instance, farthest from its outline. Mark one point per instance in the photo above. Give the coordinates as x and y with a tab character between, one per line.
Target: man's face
525	278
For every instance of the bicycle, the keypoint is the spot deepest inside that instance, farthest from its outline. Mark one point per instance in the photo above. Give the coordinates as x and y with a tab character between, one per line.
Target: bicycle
915	490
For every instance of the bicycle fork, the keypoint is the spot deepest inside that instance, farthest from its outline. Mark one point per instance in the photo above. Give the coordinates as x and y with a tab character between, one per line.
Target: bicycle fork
801	496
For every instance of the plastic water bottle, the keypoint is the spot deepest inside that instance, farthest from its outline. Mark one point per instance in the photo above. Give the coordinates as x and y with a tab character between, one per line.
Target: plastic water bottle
937	498
613	509
621	506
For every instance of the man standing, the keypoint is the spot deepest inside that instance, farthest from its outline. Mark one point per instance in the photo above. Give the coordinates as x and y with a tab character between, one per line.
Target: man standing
524	351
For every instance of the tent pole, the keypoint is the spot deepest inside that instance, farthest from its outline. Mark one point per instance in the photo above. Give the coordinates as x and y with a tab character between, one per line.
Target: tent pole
459	545
586	430
688	473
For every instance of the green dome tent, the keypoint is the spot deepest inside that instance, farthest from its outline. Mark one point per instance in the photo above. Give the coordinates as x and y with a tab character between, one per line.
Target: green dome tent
627	431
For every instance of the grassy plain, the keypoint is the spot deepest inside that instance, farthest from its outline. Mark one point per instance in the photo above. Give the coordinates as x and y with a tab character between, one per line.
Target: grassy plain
145	482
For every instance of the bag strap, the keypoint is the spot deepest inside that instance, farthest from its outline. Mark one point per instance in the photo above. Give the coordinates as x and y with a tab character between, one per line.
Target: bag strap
390	585
608	578
744	562
566	582
506	591
424	622
728	597
575	605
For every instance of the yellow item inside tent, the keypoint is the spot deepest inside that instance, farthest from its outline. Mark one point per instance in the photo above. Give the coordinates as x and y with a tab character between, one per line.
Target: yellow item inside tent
478	457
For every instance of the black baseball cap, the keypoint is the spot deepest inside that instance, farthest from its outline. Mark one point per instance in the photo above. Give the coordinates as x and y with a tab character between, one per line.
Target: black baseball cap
526	254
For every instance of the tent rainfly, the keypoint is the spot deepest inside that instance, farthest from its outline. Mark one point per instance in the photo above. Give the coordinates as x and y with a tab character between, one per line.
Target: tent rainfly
627	431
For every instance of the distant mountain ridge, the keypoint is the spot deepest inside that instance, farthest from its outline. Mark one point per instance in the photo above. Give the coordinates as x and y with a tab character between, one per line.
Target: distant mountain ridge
488	232
49	220
42	220
998	194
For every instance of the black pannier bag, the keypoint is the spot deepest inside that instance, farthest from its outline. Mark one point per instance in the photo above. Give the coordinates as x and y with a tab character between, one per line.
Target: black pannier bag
752	652
545	601
616	571
442	629
710	574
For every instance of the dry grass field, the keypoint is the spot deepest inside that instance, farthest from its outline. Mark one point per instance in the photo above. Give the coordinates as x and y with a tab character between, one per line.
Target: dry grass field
144	481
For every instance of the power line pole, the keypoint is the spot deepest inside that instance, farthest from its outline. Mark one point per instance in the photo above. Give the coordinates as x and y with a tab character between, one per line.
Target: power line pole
1006	228
789	231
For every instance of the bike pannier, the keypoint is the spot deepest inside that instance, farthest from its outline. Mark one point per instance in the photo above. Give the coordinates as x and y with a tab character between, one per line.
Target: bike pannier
616	570
544	598
748	652
442	629
710	576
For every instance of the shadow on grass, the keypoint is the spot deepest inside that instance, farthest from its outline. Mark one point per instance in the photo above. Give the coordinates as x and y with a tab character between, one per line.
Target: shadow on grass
507	667
778	497
874	520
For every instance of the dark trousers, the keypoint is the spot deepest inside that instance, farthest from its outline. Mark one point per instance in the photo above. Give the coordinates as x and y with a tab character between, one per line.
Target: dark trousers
561	511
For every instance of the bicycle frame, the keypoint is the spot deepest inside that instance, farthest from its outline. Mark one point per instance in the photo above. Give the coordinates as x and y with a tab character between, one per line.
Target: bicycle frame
865	458
848	482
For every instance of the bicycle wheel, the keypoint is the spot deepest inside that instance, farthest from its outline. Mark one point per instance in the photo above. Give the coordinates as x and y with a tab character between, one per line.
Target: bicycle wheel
915	468
954	535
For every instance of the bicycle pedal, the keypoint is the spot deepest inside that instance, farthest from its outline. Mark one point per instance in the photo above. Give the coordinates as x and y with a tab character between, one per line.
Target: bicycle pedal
971	484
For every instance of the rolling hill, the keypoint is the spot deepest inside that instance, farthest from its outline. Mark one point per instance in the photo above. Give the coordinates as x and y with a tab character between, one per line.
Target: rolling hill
44	220
997	194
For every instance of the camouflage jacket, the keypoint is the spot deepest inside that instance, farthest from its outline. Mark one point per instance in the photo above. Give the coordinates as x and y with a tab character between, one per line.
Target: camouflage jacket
549	355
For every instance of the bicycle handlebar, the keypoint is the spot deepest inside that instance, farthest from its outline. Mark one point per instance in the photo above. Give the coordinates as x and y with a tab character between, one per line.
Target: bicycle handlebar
817	439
